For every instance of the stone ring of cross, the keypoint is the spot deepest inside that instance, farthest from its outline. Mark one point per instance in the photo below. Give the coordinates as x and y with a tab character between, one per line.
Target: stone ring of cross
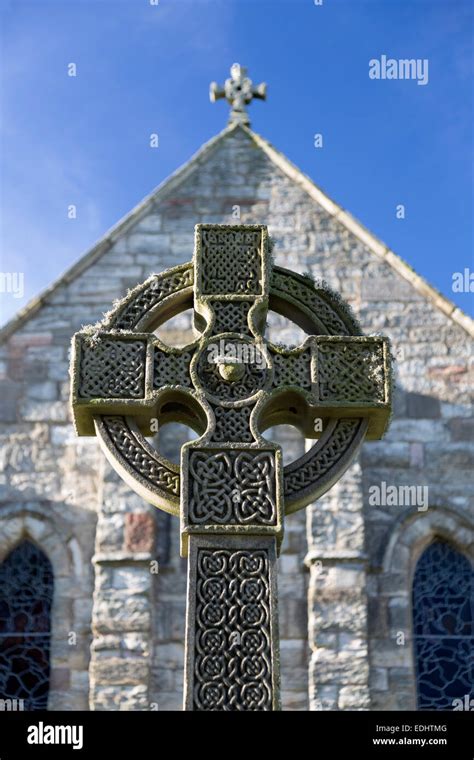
230	385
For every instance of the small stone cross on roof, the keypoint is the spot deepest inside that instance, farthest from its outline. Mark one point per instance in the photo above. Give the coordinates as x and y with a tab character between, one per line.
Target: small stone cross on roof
239	91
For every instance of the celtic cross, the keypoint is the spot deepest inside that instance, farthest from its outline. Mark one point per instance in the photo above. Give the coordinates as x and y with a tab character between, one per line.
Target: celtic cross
239	91
231	384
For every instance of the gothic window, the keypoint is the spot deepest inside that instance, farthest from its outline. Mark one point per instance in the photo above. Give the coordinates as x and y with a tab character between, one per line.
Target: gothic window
443	626
26	594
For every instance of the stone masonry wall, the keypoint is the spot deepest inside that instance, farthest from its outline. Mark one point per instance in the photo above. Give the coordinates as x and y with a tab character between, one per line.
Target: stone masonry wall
56	488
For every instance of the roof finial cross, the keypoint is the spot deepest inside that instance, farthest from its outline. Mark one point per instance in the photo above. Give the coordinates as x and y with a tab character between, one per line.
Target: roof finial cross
239	91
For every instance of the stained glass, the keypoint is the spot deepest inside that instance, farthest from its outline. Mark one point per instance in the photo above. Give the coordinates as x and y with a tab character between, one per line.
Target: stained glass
26	593
443	627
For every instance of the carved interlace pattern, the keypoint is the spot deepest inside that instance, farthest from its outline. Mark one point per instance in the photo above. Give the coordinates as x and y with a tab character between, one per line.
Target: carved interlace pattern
231	316
292	369
158	475
232	665
232	424
26	596
231	262
443	626
160	287
324	458
253	379
232	487
307	296
138	457
113	369
350	372
171	369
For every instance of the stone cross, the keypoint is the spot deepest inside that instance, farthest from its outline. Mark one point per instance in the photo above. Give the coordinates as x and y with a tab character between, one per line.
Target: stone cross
239	91
231	489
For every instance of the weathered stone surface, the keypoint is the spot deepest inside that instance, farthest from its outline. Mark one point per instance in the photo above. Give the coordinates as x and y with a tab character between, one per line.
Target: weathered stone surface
46	391
386	653
423	406
110	531
114	370
306	238
377	453
10	395
462	429
379	679
124	698
343	667
60	679
139	532
416	430
351	698
41	411
122	613
82	610
115	671
398	611
334	611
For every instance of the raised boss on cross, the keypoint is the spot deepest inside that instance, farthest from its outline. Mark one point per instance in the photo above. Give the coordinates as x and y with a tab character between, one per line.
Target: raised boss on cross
231	489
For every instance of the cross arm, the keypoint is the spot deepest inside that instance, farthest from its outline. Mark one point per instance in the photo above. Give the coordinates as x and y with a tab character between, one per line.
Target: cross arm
259	91
332	377
216	92
124	373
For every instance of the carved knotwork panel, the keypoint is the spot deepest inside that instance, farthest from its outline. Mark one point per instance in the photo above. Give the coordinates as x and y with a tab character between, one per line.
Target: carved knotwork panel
148	465
335	323
171	368
231	316
317	309
322	459
232	425
147	297
292	368
232	487
233	642
144	299
159	478
231	261
112	369
351	371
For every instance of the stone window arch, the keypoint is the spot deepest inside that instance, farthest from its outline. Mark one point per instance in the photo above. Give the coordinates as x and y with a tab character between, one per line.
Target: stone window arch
38	523
26	598
410	537
443	626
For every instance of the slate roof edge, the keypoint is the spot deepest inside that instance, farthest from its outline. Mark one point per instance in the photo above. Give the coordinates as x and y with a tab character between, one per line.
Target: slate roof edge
110	237
371	241
374	244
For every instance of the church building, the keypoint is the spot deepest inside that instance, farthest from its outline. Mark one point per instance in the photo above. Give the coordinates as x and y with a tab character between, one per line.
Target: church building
375	579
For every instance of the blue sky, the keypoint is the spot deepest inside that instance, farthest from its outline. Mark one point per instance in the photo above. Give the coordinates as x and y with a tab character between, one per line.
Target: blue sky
145	68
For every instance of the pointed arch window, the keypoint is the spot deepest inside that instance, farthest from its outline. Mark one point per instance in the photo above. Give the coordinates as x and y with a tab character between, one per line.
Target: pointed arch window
26	595
443	626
